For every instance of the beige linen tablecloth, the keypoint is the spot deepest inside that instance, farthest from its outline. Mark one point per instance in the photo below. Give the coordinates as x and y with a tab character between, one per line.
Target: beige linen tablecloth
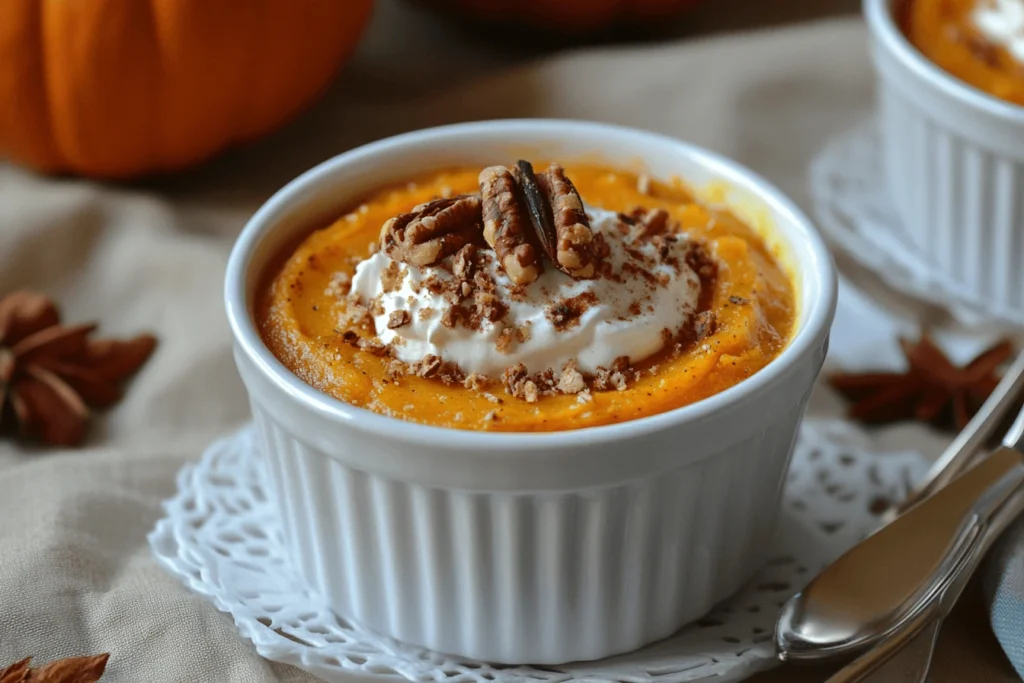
76	575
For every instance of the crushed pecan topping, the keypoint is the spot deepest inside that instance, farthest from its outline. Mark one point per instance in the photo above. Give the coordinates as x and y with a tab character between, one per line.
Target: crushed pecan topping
507	225
574	238
398	319
396	370
429	366
704	324
432	231
391	278
614	377
565	314
701	262
462	264
571	381
476	382
372	345
518	383
505	340
651	222
513	375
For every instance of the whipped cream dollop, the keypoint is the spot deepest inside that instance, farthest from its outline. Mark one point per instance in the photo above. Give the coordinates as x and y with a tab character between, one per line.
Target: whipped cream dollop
1002	23
646	293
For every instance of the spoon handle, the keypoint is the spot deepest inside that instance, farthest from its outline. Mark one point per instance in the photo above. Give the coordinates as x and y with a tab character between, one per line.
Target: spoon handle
897	660
906	656
904	570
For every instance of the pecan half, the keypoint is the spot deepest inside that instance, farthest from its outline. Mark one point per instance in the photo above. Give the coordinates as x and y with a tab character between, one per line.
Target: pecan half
432	231
574	246
507	225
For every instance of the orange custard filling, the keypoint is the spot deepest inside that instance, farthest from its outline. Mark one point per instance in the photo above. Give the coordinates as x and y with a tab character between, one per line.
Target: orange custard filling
976	41
304	312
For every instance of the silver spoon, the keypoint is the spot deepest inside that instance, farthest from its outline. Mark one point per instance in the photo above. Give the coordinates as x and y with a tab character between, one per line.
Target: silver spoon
903	579
907	657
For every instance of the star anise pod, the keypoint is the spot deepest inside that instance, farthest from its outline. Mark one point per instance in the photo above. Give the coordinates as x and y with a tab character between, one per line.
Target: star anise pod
933	389
69	670
50	374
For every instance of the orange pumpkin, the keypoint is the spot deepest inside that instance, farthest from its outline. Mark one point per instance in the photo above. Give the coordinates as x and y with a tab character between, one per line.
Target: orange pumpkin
118	88
567	16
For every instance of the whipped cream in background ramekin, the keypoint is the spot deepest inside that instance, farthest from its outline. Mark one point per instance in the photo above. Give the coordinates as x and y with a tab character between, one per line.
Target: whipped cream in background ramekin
1002	23
627	316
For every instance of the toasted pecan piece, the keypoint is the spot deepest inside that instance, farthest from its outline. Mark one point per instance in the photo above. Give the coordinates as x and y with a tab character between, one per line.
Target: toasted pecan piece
574	245
432	231
652	222
507	225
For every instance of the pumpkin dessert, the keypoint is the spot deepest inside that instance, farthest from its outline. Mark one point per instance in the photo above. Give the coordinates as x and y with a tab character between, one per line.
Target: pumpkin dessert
496	299
981	42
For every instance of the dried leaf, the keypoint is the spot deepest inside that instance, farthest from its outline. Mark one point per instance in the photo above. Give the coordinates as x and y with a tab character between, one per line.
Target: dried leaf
53	342
859	385
933	390
15	673
70	670
23	313
895	401
52	409
927	359
930	405
94	389
7	366
50	372
987	362
115	359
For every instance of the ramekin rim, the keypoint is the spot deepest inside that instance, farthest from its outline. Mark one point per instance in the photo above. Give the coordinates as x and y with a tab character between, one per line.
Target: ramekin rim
247	338
882	23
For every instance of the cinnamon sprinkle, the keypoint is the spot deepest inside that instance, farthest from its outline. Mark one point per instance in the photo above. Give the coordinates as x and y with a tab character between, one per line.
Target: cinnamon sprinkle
565	314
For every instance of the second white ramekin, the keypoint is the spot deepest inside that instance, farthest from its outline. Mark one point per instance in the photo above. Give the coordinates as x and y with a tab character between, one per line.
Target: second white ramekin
527	548
954	161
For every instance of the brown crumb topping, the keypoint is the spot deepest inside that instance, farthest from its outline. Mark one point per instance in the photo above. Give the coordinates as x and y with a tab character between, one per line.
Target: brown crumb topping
519	384
571	381
372	345
476	382
704	325
430	366
391	279
506	339
398	319
565	314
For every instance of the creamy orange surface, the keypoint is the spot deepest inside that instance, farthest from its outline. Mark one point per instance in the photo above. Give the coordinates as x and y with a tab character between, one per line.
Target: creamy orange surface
752	298
949	34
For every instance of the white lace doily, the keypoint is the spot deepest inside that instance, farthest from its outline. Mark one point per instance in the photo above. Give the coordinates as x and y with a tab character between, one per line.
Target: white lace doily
222	537
853	208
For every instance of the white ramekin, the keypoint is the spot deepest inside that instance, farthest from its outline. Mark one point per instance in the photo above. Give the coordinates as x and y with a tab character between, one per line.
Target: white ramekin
954	161
516	548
